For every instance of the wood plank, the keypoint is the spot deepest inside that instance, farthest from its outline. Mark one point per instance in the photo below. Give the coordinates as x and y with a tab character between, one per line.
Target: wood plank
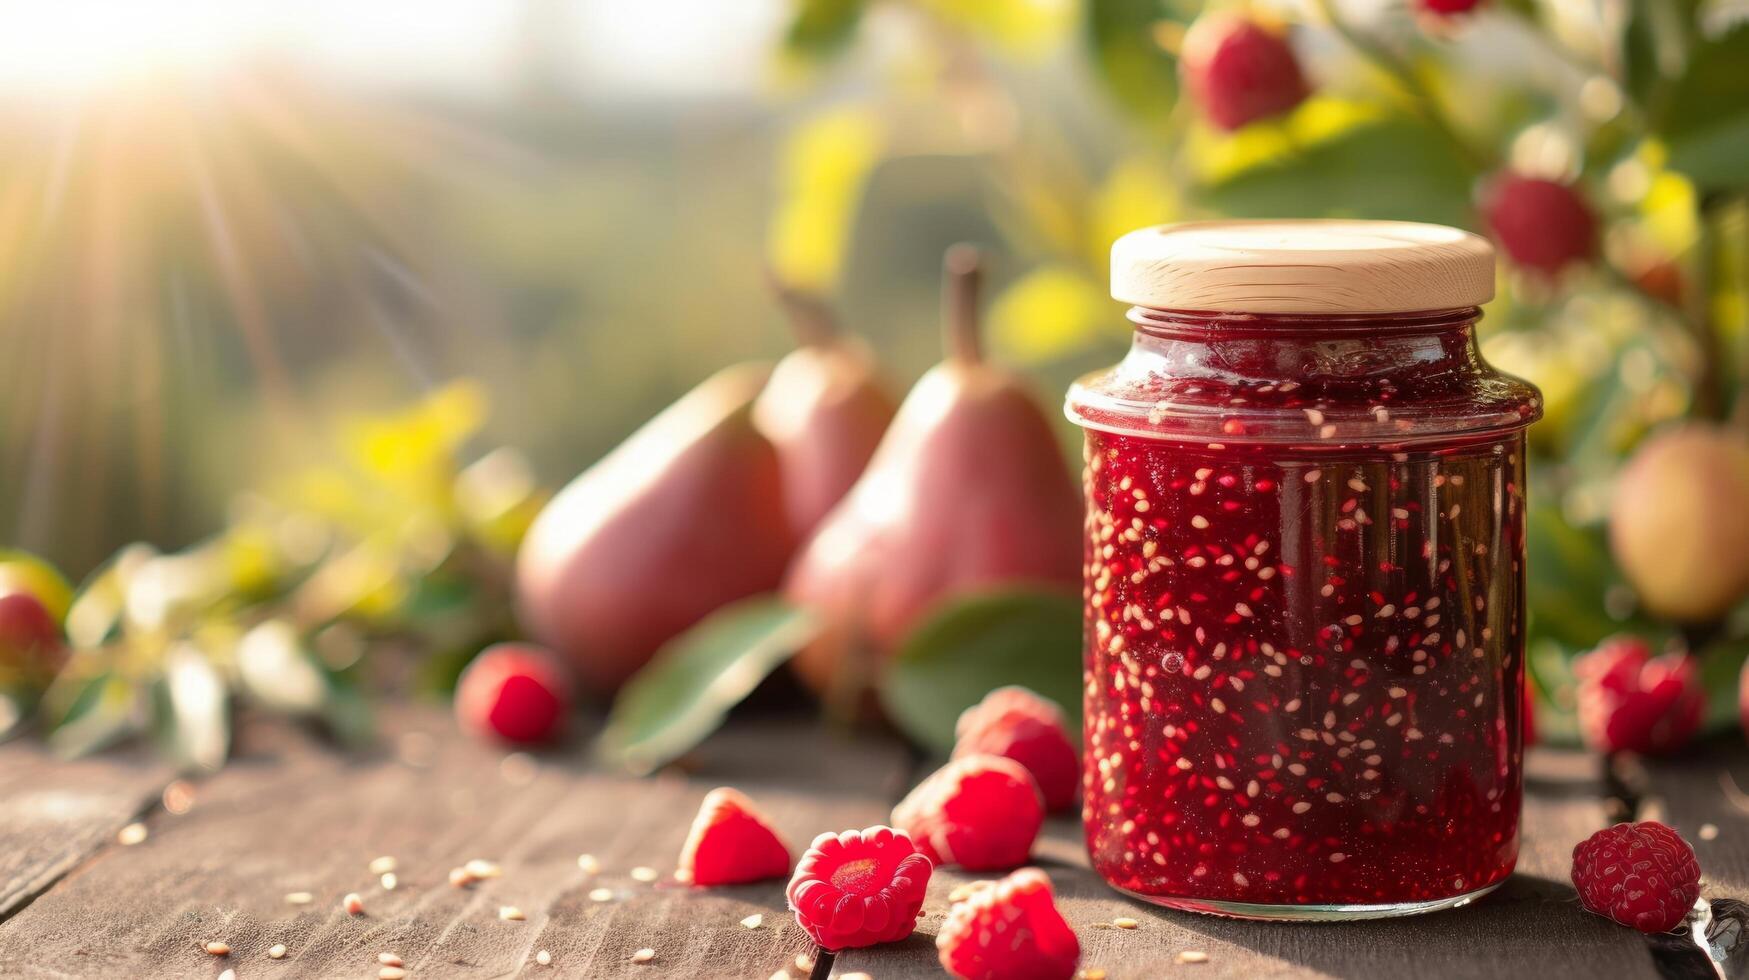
54	814
1704	794
1531	927
289	815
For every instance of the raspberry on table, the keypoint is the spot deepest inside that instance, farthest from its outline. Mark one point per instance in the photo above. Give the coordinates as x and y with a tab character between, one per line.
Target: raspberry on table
1016	723
1642	875
1009	931
979	811
732	843
517	692
1631	701
859	887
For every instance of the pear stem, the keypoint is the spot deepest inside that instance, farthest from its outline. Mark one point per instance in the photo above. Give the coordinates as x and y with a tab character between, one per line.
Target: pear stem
963	277
810	318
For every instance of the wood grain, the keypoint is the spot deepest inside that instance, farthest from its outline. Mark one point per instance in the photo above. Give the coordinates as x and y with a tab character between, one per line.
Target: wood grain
54	814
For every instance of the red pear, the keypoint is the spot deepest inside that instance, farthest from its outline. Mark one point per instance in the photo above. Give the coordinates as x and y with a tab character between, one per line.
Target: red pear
824	408
969	489
682	517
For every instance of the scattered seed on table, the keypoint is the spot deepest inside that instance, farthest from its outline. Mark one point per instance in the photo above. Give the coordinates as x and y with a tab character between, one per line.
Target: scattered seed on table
589	864
1125	922
481	868
855	976
390	881
459	878
299	898
645	875
390	959
1091	973
644	955
780	975
132	834
218	949
179	797
510	913
352	904
383	865
805	962
276	951
1708	831
228	975
1192	956
601	895
391	973
544	958
753	921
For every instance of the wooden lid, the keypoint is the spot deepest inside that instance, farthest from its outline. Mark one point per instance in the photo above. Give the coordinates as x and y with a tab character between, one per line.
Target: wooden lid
1330	266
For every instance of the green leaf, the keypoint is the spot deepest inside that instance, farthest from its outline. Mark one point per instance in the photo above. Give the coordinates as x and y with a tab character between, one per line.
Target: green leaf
1720	666
687	690
822	28
1392	169
1705	119
1139	73
101	713
974	645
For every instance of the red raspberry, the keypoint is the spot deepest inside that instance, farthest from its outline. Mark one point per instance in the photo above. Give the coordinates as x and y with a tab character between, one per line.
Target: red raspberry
859	888
1449	7
1642	875
1009	931
979	812
1240	71
1631	701
1017	724
1544	226
516	691
732	843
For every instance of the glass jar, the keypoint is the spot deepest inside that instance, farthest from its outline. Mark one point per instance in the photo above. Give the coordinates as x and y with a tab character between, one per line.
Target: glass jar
1304	574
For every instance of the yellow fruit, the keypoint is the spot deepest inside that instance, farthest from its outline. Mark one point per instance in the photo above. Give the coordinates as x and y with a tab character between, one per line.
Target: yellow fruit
21	571
1679	525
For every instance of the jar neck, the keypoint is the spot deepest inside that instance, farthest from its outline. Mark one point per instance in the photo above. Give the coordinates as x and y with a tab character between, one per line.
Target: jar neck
1389	349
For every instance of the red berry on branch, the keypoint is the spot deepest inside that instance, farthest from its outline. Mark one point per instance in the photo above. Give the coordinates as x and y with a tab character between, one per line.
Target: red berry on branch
518	692
732	843
1542	225
1642	875
979	812
1017	724
859	888
1631	701
1009	931
1240	71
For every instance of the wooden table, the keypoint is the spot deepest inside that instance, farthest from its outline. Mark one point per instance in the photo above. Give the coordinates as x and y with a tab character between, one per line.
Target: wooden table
289	814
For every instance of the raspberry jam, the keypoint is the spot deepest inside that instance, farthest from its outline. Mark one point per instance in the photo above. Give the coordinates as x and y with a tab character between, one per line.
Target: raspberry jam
1304	595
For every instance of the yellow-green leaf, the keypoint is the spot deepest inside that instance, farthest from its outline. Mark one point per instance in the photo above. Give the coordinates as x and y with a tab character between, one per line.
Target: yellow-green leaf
1052	311
823	167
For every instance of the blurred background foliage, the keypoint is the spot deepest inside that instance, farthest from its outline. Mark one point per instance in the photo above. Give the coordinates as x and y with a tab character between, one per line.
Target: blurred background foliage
229	266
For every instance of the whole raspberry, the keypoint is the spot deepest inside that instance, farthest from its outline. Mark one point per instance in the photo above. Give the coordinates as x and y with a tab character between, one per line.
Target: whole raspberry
1449	7
518	692
1631	701
1642	875
979	811
1017	724
859	888
1009	931
731	843
1240	71
1543	226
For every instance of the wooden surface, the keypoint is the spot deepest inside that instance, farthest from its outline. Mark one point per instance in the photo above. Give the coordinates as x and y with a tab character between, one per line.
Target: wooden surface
290	814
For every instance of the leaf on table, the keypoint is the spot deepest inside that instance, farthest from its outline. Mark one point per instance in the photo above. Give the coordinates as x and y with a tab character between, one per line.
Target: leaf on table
684	694
102	711
975	644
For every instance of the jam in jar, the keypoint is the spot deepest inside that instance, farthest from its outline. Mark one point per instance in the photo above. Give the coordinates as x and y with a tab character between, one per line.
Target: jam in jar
1304	574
